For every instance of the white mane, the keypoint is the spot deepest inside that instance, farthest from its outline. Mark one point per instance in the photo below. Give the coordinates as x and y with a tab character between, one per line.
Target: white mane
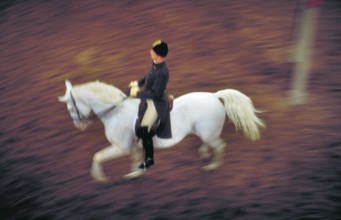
100	91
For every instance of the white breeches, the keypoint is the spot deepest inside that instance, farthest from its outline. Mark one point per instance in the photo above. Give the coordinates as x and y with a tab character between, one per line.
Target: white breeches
150	115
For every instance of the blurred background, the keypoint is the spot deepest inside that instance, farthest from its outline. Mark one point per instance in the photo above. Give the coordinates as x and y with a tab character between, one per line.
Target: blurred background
293	172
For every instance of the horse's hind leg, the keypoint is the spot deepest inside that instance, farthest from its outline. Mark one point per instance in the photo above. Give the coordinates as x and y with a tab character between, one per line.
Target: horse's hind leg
205	151
108	153
218	146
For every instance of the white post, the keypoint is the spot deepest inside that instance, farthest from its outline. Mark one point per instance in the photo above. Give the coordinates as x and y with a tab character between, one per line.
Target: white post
303	51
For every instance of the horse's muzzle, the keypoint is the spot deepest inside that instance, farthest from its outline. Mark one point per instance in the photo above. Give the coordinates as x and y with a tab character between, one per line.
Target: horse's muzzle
82	125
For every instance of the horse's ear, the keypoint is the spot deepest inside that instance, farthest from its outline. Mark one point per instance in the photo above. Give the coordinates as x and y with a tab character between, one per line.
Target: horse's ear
68	89
68	85
62	99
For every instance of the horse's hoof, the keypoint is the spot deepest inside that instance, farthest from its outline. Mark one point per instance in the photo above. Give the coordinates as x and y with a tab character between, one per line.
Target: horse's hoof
133	175
211	167
101	179
98	177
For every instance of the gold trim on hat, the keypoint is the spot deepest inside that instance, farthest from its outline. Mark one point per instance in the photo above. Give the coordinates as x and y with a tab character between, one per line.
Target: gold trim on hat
158	42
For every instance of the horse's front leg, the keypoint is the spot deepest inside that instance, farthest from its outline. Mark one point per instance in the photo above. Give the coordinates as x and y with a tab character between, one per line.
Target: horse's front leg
108	153
135	156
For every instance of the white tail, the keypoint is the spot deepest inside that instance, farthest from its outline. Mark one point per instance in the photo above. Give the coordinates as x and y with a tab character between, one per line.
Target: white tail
241	112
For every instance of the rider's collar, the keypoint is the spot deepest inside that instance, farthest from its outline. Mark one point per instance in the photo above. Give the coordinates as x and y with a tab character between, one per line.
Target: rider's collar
159	64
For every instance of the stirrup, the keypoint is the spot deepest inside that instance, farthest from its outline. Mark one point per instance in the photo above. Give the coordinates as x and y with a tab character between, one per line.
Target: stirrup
147	163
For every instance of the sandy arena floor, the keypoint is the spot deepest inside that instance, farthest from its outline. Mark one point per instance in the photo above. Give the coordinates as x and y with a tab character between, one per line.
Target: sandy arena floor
293	172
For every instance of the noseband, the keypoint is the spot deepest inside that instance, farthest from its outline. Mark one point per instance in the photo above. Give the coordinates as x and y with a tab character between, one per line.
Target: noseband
92	116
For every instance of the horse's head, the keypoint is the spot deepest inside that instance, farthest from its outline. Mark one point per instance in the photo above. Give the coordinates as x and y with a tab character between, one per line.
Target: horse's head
78	110
91	100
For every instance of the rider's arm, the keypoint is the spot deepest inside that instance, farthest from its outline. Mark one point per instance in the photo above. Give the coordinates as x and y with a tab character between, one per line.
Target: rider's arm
141	82
158	86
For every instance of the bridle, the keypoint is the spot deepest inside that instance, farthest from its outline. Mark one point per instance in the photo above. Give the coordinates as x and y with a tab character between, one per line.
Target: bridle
92	116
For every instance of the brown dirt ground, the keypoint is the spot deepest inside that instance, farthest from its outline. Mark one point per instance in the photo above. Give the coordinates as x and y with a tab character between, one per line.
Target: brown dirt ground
293	172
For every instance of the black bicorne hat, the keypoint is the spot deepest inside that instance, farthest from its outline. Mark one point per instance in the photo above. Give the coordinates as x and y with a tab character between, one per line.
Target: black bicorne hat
160	47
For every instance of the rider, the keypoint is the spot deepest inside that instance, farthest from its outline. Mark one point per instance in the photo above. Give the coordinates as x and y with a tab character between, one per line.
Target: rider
151	89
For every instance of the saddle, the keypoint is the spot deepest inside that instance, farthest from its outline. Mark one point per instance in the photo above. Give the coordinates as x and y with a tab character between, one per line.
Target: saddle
153	130
156	126
170	100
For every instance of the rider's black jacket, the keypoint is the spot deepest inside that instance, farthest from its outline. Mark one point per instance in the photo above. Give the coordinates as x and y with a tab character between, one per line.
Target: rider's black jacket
155	82
154	87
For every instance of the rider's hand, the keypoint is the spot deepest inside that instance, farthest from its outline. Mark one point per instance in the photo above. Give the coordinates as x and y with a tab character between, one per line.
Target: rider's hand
133	83
134	90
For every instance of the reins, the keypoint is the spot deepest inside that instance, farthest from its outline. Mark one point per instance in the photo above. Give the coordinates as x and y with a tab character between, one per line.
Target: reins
80	116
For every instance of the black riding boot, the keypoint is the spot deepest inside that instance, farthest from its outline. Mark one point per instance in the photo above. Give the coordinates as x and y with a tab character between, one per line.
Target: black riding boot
148	150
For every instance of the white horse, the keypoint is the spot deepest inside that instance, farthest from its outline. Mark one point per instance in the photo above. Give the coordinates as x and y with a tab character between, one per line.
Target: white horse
198	113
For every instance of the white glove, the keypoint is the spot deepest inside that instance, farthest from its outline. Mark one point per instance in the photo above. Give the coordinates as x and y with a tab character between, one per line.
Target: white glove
133	83
134	90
